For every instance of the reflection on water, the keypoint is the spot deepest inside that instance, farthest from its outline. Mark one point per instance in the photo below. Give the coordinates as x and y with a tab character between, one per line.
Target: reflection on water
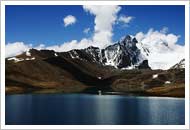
57	109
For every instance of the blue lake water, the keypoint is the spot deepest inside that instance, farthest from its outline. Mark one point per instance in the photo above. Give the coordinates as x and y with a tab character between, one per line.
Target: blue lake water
84	109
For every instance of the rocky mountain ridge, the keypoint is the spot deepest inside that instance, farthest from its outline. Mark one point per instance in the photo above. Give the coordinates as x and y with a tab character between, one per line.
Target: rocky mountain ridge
120	67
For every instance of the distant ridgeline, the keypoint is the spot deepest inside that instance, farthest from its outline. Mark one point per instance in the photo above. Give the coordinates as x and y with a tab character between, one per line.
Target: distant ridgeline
121	67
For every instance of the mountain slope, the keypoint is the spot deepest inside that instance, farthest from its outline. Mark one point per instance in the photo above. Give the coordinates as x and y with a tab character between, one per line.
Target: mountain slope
121	67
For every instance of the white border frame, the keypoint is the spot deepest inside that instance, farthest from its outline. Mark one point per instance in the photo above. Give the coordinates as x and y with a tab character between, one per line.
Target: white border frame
186	3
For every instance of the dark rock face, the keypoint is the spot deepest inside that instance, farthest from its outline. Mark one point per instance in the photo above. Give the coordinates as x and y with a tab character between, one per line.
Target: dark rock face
144	65
124	61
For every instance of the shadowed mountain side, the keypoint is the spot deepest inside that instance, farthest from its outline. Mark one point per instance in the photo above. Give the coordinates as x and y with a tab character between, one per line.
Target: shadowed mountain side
77	72
58	74
40	75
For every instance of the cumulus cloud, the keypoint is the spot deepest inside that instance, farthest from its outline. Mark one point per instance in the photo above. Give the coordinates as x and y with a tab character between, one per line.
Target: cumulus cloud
139	36
40	47
69	20
164	30
125	19
13	49
163	47
105	17
157	37
74	44
16	48
86	30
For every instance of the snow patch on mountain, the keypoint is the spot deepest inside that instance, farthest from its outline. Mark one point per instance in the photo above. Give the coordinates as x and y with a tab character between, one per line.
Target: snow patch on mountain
16	59
28	53
55	54
73	54
167	82
33	58
155	76
112	54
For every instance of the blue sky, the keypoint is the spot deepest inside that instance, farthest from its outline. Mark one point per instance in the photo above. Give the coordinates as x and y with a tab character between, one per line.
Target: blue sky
44	24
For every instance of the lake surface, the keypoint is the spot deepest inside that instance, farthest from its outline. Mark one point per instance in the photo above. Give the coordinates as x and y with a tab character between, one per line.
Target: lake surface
84	109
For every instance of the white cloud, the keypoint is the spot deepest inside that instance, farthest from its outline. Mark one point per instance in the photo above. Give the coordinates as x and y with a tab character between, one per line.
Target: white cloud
163	47
13	49
40	47
74	44
86	30
164	30
139	36
157	37
105	17
102	30
16	48
69	20
125	19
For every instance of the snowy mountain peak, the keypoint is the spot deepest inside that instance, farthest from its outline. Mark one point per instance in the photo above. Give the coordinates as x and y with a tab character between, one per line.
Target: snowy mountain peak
124	54
128	41
179	65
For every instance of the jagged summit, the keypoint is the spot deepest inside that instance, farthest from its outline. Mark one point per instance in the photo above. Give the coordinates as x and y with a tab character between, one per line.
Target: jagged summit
180	65
124	54
128	41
